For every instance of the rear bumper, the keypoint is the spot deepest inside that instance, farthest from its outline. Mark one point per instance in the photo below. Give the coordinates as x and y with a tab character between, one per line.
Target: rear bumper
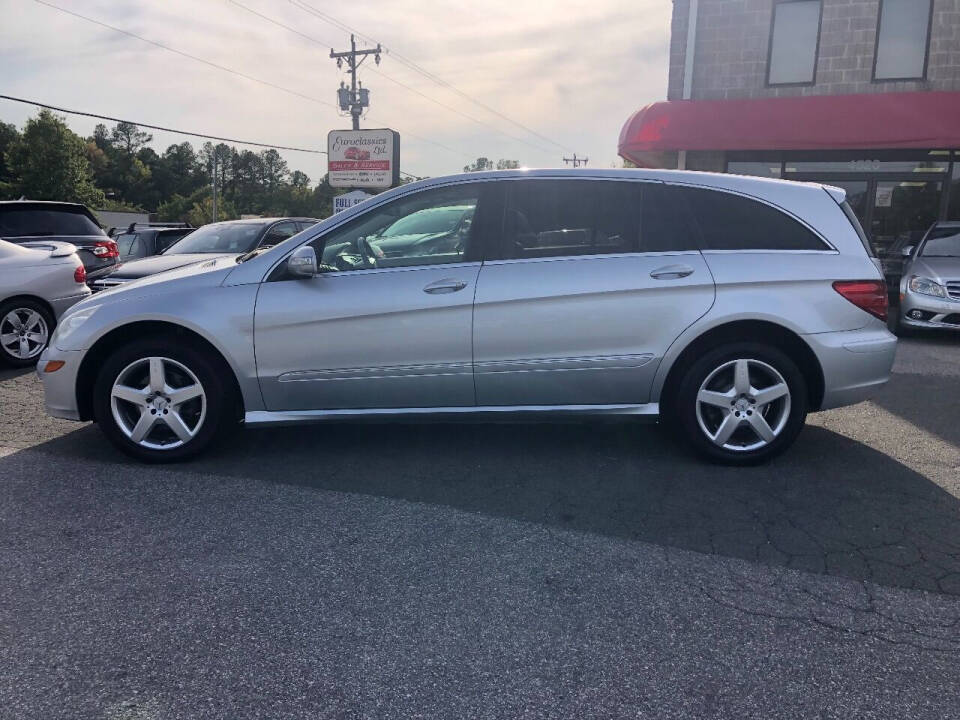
855	363
60	387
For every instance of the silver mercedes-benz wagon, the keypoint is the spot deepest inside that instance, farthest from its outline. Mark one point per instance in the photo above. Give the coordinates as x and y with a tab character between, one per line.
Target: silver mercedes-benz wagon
728	307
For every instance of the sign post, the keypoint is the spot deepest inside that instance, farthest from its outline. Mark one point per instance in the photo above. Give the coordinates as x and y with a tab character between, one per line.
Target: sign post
363	158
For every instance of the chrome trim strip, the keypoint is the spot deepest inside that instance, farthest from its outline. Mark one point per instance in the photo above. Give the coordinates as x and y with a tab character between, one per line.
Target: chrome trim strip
597	256
598	362
402	268
376	373
265	417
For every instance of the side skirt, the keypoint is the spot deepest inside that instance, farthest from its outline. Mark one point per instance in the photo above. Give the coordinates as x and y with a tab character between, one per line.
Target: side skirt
523	413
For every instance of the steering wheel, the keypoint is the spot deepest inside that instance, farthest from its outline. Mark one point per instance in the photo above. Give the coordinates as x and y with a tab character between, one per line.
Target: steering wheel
369	253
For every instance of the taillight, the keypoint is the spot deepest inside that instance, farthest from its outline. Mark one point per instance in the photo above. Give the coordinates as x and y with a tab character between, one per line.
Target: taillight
106	249
80	275
869	295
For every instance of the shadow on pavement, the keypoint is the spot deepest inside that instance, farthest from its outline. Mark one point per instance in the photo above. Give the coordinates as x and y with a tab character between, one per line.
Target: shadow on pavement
831	505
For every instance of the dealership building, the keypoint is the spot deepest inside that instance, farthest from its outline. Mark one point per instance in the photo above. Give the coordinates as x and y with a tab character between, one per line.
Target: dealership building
862	94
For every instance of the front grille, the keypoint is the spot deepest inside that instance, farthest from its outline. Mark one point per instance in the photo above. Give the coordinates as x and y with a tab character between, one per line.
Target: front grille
953	289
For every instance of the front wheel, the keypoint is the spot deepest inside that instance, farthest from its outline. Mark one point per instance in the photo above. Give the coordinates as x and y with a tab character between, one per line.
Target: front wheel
158	401
742	404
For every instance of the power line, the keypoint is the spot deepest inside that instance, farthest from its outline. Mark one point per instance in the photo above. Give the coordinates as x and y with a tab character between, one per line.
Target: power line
170	130
185	54
224	68
382	74
306	7
161	127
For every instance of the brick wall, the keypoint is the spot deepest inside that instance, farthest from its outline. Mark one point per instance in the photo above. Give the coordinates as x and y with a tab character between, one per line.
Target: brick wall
733	38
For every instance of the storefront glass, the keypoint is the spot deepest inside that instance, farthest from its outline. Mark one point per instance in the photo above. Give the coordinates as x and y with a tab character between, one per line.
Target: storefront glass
903	210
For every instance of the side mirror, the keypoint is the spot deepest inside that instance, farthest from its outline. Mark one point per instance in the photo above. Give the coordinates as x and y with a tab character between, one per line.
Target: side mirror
907	251
303	262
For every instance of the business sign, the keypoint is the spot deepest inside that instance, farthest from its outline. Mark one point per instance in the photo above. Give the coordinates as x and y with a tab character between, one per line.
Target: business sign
348	200
363	158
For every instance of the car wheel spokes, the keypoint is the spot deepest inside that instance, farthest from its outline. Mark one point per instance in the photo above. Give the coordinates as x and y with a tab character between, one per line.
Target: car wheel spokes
743	405
158	403
23	333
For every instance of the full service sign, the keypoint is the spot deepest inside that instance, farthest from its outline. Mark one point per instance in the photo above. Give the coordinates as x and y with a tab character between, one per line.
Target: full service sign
363	158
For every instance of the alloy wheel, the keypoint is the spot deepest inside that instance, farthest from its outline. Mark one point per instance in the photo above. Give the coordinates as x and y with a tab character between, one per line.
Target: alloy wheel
23	333
158	403
743	405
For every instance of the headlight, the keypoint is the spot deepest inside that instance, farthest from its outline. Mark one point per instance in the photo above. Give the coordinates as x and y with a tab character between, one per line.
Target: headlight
926	286
71	323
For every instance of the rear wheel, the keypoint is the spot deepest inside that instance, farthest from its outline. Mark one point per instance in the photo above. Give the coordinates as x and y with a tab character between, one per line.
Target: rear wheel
160	402
742	403
25	327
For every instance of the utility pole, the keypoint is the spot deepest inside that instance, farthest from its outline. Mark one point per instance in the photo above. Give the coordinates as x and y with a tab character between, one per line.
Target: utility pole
354	99
214	185
577	161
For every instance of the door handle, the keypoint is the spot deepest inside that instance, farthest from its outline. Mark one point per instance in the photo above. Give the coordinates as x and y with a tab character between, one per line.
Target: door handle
671	272
447	285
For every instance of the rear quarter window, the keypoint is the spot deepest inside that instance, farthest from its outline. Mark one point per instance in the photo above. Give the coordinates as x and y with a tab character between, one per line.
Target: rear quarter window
733	222
25	222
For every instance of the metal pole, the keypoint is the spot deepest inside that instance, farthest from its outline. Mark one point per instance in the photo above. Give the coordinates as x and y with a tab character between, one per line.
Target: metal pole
355	108
214	185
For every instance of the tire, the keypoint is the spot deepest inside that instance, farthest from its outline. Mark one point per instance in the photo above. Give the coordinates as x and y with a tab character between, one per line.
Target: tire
25	329
760	431
175	425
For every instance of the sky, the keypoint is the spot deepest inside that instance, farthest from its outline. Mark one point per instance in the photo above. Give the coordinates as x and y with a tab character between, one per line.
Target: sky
570	71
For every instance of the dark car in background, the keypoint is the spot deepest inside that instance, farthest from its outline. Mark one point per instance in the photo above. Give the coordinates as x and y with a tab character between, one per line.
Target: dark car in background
145	240
233	237
23	221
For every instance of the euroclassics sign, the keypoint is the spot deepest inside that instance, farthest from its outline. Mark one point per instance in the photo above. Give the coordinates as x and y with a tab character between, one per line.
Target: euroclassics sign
363	158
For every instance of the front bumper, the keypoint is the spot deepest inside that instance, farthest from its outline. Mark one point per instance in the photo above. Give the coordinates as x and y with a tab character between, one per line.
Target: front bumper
937	313
60	387
855	363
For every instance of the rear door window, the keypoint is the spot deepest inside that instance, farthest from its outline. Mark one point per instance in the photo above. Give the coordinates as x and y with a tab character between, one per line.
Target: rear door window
130	245
26	222
666	225
560	218
732	222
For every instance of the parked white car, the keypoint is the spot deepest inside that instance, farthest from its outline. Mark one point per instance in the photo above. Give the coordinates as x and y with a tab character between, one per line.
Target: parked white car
38	282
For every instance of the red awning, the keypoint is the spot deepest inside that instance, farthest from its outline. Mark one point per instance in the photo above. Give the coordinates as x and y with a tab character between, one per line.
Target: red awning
927	120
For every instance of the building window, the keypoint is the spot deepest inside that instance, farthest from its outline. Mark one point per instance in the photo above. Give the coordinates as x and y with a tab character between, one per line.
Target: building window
903	36
794	37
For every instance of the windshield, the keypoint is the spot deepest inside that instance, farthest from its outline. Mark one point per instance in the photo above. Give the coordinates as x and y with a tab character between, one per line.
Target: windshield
219	238
428	222
942	242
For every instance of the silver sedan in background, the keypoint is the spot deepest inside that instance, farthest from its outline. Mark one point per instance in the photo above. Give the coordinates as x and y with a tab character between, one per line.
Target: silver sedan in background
38	282
930	286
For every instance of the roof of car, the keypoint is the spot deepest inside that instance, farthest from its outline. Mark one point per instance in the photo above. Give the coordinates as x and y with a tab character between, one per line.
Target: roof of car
947	224
45	204
263	221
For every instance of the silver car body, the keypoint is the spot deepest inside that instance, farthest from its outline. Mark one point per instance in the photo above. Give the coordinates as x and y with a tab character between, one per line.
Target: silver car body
402	342
936	312
41	270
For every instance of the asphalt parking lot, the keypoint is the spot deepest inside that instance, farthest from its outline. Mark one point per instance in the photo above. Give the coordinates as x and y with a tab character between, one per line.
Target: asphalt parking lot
488	571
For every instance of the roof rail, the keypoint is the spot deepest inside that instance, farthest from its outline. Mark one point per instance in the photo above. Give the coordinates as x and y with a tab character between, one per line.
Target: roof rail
141	225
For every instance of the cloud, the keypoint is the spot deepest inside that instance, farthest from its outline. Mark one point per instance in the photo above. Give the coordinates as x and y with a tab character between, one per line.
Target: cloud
571	71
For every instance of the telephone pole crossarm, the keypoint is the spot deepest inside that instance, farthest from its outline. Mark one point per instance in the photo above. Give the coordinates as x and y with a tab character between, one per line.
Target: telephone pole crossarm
354	99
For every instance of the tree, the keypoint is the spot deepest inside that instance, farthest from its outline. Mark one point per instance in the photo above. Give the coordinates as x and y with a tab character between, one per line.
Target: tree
49	162
479	166
483	163
8	138
202	211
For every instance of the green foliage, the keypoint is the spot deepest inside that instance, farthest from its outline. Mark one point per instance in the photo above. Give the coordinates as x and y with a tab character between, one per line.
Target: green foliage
117	168
483	163
49	162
